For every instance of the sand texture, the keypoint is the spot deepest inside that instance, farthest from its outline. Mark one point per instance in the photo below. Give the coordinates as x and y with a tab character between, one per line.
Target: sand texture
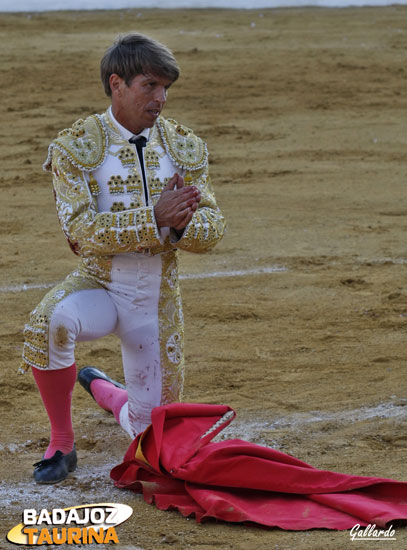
304	113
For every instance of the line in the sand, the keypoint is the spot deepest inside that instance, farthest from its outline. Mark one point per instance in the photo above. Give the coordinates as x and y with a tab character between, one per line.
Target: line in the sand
186	276
247	429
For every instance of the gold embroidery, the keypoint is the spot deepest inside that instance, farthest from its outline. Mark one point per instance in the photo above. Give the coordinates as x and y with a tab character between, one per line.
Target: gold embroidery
182	130
117	207
184	148
93	233
188	179
171	331
127	155
116	185
156	184
133	183
152	160
85	144
173	348
156	187
94	186
208	224
36	331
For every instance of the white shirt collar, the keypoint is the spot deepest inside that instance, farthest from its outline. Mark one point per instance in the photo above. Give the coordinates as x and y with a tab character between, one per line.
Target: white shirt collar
126	133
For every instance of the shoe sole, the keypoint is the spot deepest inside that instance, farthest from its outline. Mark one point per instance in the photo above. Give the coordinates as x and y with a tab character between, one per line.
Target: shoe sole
52	482
71	468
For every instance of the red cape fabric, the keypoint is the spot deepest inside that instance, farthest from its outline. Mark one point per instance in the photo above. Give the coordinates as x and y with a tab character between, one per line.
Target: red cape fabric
175	465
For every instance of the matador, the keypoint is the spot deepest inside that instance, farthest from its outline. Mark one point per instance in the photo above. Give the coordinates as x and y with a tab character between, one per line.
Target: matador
131	188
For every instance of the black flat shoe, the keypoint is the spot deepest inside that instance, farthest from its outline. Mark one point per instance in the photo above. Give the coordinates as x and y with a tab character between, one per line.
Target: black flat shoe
88	374
56	468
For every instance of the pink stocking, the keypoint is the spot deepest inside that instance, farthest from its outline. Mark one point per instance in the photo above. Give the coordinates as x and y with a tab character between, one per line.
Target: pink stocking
56	387
108	396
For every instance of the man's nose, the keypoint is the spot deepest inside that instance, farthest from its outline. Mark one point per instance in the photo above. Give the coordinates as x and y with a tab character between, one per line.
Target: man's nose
160	94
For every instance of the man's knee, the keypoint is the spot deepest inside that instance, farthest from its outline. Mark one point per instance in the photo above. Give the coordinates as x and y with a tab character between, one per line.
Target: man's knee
63	329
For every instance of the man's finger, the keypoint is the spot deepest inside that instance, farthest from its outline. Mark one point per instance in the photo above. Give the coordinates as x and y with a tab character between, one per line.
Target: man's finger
184	222
171	184
183	218
181	198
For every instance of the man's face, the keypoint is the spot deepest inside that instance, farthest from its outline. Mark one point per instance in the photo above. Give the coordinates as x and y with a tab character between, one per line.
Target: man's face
137	106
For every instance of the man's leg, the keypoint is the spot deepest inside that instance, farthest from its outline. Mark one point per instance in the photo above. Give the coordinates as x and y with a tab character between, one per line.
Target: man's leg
139	332
150	329
83	315
56	387
142	370
108	394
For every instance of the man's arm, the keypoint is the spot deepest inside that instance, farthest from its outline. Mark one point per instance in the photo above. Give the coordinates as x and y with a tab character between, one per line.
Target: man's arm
205	225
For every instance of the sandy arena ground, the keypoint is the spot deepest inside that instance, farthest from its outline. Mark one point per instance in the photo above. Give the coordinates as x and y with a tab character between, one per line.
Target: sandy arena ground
304	112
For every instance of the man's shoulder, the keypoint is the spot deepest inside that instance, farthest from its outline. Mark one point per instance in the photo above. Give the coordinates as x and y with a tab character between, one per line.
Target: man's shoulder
183	146
85	143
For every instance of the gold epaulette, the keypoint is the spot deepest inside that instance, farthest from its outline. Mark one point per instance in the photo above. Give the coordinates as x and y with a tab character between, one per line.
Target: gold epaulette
85	144
185	149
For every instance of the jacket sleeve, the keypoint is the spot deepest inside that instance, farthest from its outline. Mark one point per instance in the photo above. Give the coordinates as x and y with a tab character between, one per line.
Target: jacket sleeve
90	232
207	225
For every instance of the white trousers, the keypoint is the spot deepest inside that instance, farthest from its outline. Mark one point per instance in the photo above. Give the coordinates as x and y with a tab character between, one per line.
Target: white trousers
129	309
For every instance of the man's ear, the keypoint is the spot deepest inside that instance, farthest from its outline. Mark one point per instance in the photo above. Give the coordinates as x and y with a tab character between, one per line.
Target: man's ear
115	82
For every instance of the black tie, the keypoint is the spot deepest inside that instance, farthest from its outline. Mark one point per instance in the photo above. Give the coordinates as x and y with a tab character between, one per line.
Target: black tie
140	142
